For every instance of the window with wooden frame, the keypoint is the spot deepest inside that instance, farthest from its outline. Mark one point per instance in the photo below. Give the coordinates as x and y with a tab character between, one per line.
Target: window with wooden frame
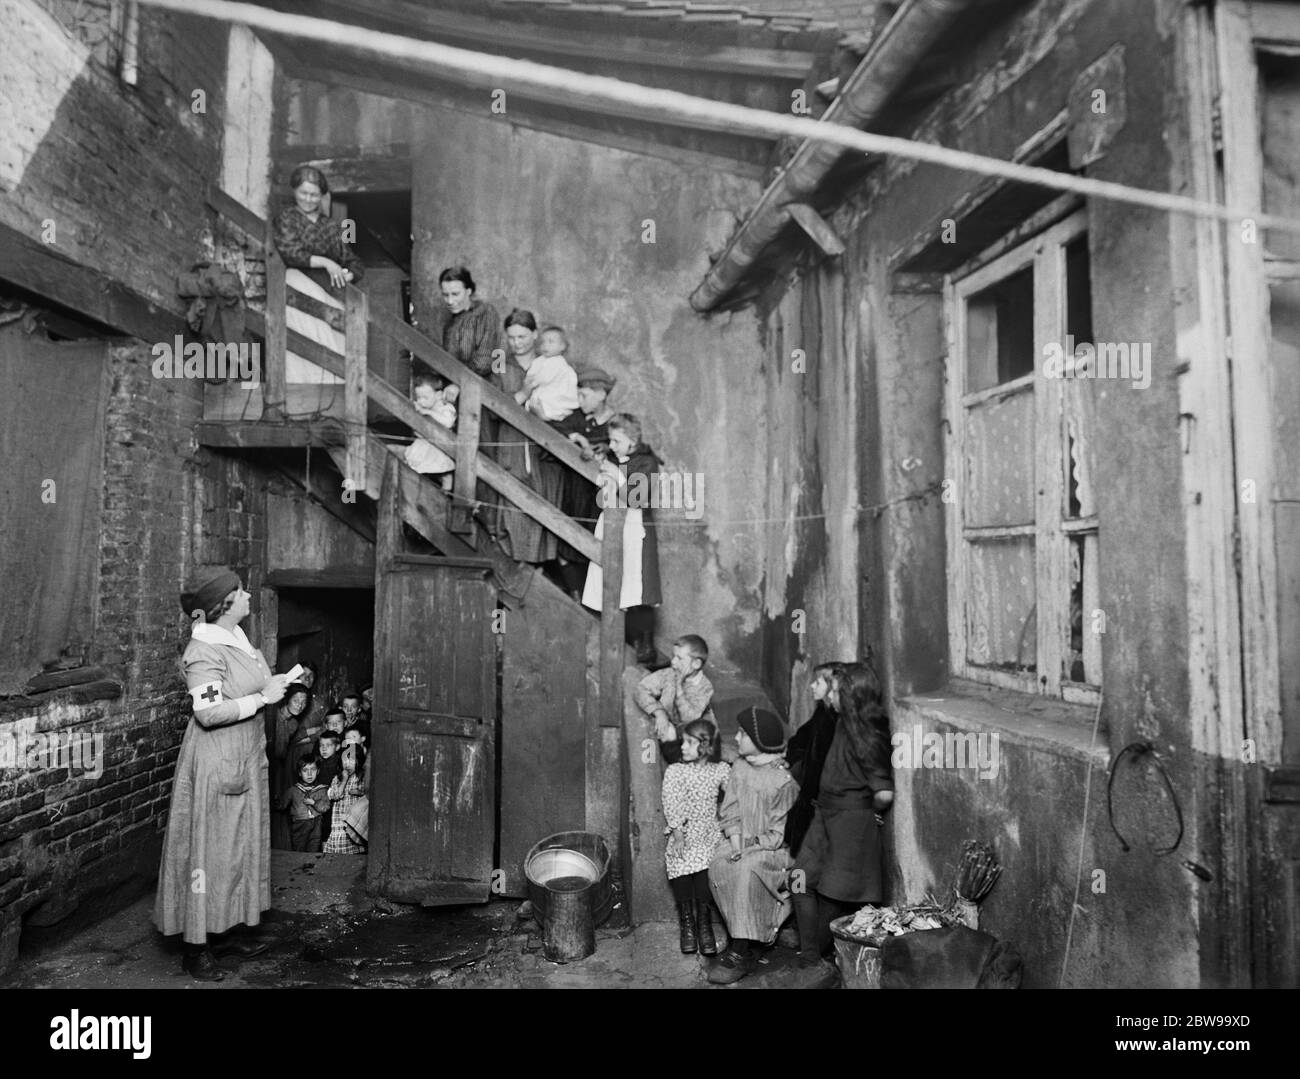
1024	610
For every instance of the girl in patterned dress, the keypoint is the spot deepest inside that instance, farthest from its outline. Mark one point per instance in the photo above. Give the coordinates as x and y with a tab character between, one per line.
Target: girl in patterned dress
690	796
350	805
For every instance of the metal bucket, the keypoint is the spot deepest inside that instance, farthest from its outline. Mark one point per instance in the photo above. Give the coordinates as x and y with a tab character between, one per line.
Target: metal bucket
565	857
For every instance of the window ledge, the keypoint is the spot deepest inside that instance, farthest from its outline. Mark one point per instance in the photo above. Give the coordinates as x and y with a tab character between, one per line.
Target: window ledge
1040	723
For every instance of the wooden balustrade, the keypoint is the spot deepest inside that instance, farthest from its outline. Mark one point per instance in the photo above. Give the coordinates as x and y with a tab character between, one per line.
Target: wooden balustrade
362	385
356	311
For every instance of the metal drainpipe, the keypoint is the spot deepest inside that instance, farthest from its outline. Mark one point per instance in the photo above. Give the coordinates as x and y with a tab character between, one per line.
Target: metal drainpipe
891	58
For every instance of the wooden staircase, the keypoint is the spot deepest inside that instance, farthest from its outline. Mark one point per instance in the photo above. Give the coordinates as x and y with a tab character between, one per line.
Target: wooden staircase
261	417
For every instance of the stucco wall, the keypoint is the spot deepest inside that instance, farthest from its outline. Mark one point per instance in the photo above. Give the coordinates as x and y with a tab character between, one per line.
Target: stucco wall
1137	925
556	225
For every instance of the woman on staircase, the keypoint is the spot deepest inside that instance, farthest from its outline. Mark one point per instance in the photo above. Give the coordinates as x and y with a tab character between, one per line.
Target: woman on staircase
308	239
529	541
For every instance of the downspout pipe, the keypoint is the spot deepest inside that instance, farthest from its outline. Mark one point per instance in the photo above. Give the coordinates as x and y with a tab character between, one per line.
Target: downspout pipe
913	30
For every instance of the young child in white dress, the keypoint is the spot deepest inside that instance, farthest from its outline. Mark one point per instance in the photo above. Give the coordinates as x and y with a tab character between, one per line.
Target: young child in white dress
550	389
437	400
690	796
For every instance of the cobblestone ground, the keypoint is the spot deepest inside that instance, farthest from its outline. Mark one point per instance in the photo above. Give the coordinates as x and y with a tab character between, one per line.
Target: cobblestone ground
329	933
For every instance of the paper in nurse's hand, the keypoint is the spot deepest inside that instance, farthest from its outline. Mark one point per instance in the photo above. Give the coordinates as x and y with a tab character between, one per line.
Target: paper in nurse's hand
292	675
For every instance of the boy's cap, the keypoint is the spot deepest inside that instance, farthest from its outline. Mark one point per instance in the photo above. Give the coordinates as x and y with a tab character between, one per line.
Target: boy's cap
596	376
764	728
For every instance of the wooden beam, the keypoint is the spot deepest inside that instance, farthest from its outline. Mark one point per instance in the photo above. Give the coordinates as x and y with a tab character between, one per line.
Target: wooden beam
236	212
468	419
421	504
395	77
355	318
274	332
816	227
613	646
254	435
330	500
41	269
331	577
694	53
373	172
634	137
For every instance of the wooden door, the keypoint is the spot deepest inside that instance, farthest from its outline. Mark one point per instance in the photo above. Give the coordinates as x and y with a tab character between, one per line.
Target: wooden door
433	796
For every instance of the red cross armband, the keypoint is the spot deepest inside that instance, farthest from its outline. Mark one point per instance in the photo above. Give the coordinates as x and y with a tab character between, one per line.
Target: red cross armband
206	696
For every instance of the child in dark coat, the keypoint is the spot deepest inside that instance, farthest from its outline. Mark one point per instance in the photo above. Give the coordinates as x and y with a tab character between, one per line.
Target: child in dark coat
307	800
841	858
806	754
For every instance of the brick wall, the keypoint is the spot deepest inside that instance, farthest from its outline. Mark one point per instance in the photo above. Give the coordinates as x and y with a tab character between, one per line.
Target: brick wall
70	841
121	171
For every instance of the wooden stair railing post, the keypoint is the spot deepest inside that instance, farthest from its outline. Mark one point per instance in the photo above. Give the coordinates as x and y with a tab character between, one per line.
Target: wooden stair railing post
469	417
612	643
356	317
274	361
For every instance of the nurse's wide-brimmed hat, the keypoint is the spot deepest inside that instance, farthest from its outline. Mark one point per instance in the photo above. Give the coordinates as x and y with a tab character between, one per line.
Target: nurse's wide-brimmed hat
207	587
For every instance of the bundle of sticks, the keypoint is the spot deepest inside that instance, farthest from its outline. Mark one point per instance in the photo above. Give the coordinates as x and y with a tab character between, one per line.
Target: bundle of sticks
977	872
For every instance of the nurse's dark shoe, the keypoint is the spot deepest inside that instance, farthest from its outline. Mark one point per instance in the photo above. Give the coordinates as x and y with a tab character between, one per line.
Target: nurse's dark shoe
201	965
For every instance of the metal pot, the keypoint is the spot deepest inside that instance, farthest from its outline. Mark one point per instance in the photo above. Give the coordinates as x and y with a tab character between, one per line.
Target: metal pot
547	865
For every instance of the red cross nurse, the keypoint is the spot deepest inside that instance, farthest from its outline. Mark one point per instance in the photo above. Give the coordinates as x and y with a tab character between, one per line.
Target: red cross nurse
216	871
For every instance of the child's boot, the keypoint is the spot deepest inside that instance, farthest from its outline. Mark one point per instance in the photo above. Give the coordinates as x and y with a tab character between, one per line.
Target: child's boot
686	921
704	928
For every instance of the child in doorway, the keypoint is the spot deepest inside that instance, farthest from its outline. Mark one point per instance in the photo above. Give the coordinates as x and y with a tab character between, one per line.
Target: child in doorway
336	720
356	736
749	867
436	399
690	798
349	820
677	695
842	856
328	764
307	800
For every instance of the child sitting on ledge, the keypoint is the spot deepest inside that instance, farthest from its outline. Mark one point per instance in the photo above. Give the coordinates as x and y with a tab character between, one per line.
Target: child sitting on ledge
677	695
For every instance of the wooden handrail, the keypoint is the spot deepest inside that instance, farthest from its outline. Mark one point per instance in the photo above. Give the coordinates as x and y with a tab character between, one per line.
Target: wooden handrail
359	385
429	351
235	211
392	401
493	398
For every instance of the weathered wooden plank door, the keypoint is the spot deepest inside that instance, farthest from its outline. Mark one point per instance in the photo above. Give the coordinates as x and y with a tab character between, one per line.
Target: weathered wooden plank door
433	816
547	678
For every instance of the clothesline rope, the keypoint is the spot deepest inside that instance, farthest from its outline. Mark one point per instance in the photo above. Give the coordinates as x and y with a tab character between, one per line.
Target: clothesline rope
499	72
875	509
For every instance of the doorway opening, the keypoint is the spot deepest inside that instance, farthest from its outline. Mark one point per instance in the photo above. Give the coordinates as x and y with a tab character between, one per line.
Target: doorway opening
332	629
